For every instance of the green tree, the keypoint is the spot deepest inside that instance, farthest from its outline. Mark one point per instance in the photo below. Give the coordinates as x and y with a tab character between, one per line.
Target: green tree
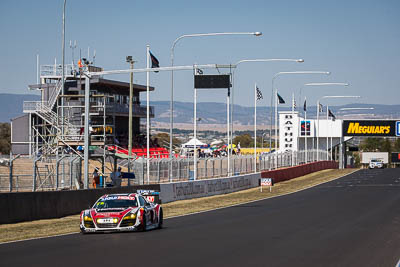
5	138
386	146
371	144
396	145
245	140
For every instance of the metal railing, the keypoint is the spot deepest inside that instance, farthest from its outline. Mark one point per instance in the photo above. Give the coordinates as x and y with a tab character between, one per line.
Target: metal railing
183	168
55	70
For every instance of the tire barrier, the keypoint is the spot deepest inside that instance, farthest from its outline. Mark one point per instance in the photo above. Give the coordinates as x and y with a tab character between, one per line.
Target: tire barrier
285	174
29	206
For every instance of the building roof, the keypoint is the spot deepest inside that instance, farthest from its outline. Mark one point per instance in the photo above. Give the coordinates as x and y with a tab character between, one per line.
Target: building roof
100	82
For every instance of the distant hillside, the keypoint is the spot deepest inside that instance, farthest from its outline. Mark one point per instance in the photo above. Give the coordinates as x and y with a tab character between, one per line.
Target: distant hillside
11	105
209	112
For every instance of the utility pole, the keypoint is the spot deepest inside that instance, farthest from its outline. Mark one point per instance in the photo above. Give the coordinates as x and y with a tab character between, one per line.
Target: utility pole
131	61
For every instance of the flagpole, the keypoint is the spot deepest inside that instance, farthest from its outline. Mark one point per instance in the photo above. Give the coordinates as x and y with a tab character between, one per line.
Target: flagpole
318	130
293	104
195	132
255	127
305	131
148	112
276	128
227	129
331	139
327	140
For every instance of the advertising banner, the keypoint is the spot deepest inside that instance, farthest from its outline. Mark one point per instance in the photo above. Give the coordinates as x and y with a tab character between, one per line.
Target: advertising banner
396	157
370	128
212	81
305	128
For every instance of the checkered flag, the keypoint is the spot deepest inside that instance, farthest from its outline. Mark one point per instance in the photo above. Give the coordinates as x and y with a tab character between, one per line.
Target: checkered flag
294	104
259	94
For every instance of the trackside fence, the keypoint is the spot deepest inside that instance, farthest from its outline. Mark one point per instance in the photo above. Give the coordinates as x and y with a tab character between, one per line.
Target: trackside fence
66	173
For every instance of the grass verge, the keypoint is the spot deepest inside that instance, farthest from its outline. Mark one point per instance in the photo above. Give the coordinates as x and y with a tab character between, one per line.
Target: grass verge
70	224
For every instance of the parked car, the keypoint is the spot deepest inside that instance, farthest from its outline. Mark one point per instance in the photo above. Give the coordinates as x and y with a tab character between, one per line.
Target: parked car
375	163
122	212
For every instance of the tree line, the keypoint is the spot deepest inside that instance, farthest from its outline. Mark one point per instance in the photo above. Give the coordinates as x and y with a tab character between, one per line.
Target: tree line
5	138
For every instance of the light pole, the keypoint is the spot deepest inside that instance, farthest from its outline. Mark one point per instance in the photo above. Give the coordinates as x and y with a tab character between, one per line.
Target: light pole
274	96
131	62
233	75
358	114
318	104
171	107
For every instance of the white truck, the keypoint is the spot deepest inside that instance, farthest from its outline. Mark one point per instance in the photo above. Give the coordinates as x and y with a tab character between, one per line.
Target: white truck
375	159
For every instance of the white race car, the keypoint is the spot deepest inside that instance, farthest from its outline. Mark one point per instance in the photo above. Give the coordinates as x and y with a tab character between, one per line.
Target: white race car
375	163
122	212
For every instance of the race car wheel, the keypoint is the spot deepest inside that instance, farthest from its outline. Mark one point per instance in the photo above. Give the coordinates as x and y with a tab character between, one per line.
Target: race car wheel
144	223
161	219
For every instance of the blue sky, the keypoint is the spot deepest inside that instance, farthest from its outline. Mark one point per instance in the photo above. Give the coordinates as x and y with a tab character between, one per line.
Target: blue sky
357	41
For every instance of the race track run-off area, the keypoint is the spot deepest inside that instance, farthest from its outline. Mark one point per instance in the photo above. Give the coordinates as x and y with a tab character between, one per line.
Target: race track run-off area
351	221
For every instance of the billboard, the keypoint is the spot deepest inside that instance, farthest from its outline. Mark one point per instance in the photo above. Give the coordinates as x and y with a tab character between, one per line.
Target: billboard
305	128
371	128
212	81
395	157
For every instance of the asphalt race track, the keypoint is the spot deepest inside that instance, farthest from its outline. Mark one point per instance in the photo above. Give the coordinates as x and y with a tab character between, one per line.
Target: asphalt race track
352	221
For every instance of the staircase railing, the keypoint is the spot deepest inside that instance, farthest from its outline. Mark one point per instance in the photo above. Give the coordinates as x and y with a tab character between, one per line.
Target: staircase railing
54	94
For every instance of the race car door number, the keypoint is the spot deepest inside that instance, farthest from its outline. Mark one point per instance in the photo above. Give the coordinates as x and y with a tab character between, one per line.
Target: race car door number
105	220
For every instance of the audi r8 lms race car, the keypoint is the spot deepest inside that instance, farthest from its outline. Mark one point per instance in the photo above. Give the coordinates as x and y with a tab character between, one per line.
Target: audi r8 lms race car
122	212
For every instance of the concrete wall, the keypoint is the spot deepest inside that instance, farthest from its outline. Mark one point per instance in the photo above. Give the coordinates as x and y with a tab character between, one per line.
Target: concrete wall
28	206
210	187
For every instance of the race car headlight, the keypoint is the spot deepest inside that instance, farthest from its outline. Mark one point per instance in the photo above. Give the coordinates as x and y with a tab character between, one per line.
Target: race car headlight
130	216
87	219
115	220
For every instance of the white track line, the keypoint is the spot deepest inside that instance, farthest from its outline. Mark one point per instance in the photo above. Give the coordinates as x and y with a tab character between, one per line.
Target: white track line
198	212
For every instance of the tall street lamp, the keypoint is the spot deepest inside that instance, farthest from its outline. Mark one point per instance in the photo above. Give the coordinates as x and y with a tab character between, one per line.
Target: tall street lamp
233	84
275	96
323	84
131	62
318	105
172	77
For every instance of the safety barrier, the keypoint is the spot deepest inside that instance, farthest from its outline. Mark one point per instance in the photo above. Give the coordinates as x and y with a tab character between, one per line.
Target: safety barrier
285	174
209	187
28	206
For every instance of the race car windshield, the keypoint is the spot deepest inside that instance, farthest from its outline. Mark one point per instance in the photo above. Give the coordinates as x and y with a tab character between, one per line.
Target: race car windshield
115	203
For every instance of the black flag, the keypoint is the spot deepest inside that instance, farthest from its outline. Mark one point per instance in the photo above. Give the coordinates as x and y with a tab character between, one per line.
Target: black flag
280	99
330	114
154	61
305	105
321	108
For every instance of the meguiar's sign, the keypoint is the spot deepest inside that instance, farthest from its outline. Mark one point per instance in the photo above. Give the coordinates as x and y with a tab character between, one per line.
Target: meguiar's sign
370	128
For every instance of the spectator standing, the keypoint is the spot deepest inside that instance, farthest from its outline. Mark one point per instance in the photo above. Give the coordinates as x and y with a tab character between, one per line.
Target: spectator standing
96	178
116	177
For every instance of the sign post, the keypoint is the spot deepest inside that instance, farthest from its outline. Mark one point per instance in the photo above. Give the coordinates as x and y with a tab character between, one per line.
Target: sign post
266	182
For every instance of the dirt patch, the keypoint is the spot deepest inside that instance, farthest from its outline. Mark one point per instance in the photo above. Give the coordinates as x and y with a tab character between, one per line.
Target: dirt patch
70	224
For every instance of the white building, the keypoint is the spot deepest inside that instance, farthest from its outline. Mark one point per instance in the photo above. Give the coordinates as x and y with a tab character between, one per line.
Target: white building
292	132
